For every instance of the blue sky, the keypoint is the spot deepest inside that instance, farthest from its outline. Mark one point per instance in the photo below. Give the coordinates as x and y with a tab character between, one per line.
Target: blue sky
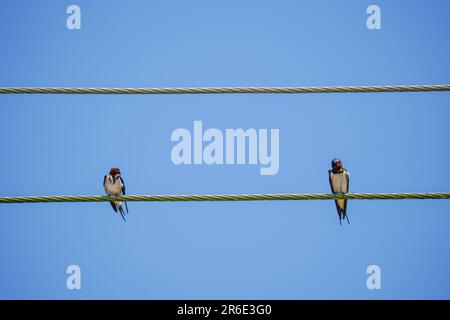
64	144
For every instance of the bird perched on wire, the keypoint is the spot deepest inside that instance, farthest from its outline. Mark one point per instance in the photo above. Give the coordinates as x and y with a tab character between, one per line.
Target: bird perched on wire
115	186
339	182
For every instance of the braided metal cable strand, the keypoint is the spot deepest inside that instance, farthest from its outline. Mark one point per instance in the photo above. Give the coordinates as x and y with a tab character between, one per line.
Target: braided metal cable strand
230	197
223	90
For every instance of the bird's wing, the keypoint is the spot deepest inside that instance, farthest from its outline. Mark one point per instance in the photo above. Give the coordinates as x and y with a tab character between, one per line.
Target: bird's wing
347	175
123	191
329	179
123	185
104	181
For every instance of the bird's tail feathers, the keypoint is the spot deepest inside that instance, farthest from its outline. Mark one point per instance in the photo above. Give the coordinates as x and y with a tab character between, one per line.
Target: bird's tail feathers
117	207
122	213
113	205
346	216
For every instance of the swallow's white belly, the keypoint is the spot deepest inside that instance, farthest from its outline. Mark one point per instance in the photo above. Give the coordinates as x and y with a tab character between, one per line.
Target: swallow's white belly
113	189
339	182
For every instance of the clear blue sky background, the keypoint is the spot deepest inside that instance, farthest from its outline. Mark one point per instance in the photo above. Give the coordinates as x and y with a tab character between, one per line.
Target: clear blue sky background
390	142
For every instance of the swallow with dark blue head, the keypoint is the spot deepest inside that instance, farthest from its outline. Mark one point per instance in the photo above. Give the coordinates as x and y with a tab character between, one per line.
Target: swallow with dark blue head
114	187
339	182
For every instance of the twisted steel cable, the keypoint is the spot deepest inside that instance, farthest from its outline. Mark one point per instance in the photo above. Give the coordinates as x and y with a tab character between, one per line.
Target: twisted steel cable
231	197
223	90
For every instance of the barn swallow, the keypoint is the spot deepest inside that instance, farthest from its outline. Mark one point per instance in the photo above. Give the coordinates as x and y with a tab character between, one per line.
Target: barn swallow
339	183
115	186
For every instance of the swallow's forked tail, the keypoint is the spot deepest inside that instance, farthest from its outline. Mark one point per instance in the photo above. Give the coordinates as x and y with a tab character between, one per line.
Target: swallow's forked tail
117	207
346	216
122	213
340	211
